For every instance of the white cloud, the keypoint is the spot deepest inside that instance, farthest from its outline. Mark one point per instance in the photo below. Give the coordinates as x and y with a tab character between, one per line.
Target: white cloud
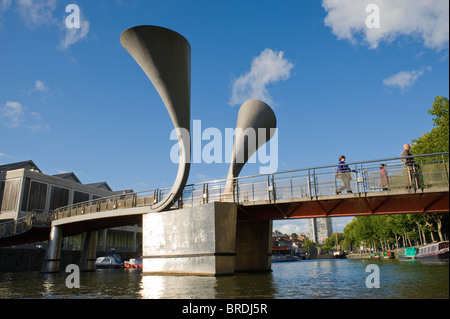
5	4
405	79
73	35
40	86
292	226
269	67
15	115
42	12
425	20
12	114
37	12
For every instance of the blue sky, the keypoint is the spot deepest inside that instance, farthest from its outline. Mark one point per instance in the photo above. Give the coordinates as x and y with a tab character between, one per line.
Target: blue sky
75	100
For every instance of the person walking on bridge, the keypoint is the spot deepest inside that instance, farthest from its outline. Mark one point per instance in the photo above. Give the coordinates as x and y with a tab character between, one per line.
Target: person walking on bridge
345	174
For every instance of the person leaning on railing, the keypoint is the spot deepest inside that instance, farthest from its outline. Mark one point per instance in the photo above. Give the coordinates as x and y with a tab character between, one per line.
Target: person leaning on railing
411	166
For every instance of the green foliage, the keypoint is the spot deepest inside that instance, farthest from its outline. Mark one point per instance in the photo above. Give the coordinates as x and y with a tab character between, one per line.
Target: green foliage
308	243
438	139
330	242
379	230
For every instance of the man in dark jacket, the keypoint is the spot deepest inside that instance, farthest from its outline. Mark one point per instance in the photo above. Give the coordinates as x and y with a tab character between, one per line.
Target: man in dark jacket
345	174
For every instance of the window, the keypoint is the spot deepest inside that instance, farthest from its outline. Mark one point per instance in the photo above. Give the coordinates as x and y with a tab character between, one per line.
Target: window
9	192
36	196
59	197
79	197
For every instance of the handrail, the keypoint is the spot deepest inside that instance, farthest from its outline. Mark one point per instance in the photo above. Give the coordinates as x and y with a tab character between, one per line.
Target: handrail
428	170
25	223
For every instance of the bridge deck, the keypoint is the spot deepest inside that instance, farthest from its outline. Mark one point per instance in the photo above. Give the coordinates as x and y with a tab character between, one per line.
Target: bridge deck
419	188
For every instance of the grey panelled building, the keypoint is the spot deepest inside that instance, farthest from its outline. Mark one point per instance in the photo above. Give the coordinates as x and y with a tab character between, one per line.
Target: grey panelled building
24	188
320	229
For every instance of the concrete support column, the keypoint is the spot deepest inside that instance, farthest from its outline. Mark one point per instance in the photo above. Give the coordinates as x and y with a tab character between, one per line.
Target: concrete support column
53	253
134	241
88	251
195	241
254	246
105	234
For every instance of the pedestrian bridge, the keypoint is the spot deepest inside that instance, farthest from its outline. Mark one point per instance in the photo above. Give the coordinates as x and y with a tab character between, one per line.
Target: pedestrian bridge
420	187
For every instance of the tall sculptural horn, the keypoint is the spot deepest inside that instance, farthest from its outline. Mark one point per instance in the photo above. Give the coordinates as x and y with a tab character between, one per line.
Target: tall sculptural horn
255	117
165	57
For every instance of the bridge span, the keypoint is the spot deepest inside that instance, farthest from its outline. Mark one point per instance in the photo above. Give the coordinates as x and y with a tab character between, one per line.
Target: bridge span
422	187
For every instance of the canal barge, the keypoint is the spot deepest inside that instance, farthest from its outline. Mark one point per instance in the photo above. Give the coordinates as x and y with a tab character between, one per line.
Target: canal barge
408	253
436	251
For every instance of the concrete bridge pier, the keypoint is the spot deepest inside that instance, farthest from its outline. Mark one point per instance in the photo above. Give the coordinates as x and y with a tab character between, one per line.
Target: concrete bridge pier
205	240
53	253
191	241
254	246
88	251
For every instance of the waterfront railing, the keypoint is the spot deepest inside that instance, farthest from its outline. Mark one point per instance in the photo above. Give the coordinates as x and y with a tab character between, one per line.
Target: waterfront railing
414	173
36	218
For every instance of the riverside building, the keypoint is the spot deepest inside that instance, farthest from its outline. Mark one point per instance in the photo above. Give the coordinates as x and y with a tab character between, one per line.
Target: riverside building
24	188
320	229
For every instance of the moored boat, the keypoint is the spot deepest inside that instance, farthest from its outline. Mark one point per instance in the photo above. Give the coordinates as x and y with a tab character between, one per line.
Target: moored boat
434	252
111	261
382	255
133	263
282	258
408	253
388	255
377	255
339	255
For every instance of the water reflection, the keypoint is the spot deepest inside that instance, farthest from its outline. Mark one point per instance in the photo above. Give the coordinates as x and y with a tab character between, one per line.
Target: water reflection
305	279
171	287
246	286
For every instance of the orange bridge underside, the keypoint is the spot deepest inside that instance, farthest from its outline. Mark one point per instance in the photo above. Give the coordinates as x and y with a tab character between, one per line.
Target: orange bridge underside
345	205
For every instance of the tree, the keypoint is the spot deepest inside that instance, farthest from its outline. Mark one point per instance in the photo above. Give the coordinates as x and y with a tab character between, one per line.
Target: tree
438	139
308	243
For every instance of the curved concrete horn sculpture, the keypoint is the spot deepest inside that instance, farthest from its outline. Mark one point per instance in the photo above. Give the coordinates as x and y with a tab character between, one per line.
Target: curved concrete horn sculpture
165	56
254	118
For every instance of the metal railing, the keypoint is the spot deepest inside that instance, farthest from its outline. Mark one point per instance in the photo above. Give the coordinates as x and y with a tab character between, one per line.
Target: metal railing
414	173
36	218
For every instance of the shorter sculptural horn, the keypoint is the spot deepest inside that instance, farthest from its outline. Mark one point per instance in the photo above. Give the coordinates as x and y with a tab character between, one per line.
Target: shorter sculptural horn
254	118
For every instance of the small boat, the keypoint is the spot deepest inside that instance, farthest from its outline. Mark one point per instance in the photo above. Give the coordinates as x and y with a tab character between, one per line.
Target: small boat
339	255
434	252
282	258
388	255
408	253
382	255
375	255
111	261
133	263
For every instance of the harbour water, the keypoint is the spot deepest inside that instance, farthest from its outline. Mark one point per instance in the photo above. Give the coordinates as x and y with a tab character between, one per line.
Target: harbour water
315	279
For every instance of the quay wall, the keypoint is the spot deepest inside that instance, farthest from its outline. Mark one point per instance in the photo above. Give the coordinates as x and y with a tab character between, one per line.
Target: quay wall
32	259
